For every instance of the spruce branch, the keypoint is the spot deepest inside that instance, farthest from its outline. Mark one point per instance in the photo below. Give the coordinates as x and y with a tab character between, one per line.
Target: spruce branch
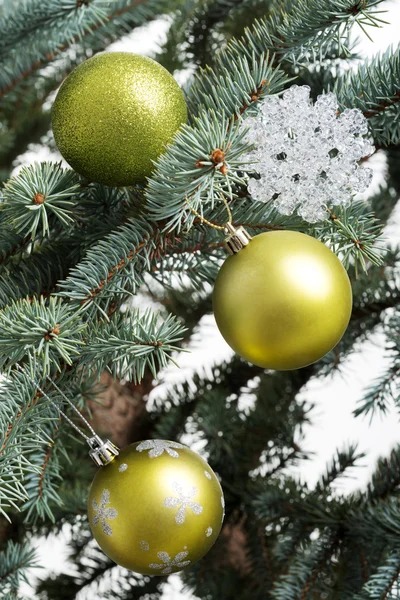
386	477
11	244
129	344
355	233
199	177
235	84
36	194
31	16
385	389
112	268
14	562
375	90
23	422
304	570
41	482
70	26
49	331
382	581
342	461
309	26
36	274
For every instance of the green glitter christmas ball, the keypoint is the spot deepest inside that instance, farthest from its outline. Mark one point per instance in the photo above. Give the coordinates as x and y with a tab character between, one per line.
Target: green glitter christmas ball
113	116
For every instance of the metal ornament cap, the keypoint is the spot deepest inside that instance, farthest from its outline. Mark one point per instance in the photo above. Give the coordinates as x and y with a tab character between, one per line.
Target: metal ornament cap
283	301
237	238
102	452
156	508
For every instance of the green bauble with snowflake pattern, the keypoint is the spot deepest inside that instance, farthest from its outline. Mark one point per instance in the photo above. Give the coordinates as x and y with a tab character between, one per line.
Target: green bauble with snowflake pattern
156	508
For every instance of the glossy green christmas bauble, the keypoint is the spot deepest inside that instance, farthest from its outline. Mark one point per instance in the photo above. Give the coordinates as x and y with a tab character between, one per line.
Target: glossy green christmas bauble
114	115
156	508
283	301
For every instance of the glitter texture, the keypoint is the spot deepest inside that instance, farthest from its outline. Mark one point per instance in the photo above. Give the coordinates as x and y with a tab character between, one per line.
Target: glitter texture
158	447
183	502
122	467
307	155
144	546
113	116
168	564
104	514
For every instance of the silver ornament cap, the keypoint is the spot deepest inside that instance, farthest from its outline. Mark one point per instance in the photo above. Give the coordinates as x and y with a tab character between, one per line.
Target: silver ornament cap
102	452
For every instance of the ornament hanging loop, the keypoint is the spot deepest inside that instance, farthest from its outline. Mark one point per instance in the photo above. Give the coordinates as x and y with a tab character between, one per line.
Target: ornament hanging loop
101	452
237	238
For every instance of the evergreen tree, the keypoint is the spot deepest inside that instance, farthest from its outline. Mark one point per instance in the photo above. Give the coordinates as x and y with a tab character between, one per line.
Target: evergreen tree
73	253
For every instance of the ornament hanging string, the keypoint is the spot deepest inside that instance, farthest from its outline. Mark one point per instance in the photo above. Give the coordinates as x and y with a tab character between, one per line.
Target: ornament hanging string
237	238
209	223
101	452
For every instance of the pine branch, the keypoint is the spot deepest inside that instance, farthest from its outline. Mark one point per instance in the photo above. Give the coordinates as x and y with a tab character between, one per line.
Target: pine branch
15	412
308	28
375	90
296	30
36	274
304	570
38	194
201	27
201	175
386	477
112	269
14	561
385	389
341	462
11	244
355	233
69	26
128	345
41	483
382	581
50	332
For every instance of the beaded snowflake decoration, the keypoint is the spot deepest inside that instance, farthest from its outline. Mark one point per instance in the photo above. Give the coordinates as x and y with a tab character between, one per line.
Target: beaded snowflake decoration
306	155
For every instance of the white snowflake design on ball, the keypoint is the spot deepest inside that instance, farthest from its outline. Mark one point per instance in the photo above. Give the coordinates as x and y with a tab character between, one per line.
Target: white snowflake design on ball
158	447
168	564
104	514
306	155
122	467
183	502
209	531
144	546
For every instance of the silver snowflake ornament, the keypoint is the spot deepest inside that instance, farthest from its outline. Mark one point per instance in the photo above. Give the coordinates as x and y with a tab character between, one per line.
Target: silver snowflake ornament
183	502
168	564
158	447
104	514
306	155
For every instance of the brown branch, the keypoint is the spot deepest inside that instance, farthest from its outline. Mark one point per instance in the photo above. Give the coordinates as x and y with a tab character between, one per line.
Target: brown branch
12	424
122	263
52	55
254	97
382	106
312	579
391	583
44	467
